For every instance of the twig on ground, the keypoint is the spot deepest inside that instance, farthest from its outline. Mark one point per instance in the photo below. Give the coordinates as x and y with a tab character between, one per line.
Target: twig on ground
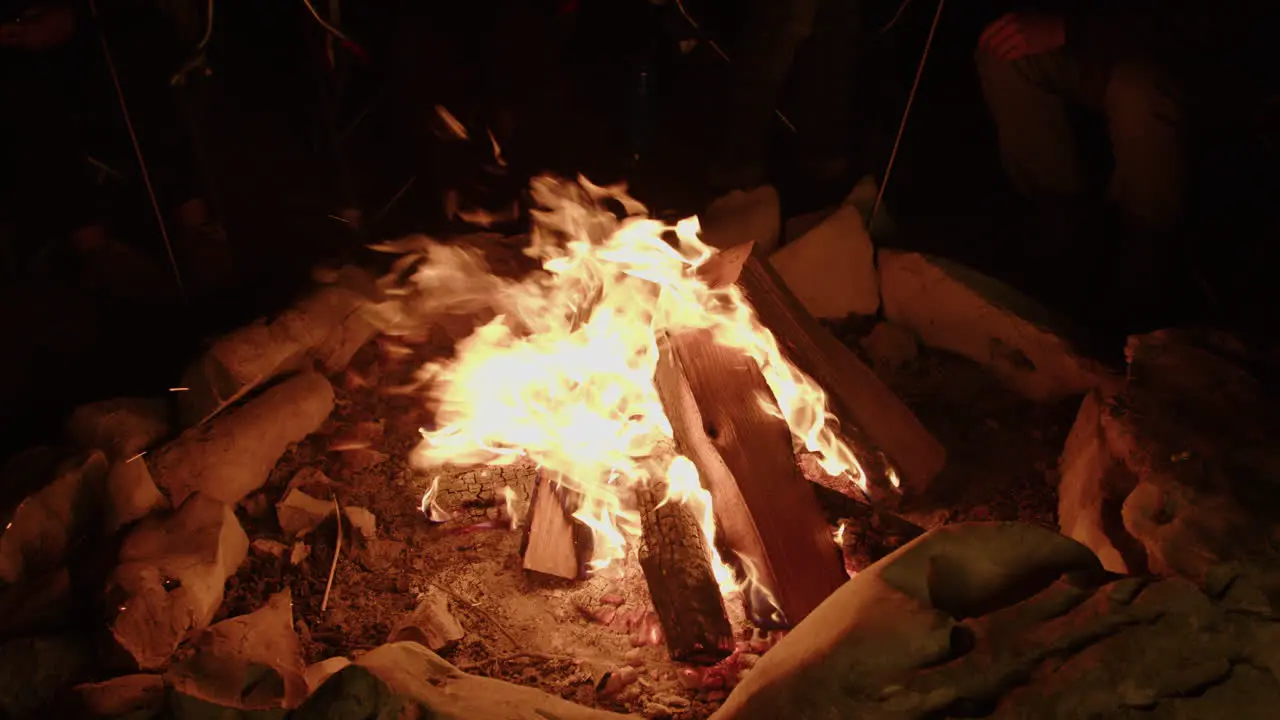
475	607
512	656
337	550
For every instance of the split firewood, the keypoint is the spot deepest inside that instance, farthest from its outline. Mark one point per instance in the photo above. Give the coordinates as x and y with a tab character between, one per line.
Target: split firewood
725	266
552	542
682	585
232	455
870	414
171	576
326	327
431	624
764	507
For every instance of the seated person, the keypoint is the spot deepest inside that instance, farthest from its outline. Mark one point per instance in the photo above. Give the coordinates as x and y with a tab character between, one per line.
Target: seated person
59	97
1149	68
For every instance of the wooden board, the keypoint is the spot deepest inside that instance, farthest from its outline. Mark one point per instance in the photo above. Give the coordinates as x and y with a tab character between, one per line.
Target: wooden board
865	405
764	507
550	544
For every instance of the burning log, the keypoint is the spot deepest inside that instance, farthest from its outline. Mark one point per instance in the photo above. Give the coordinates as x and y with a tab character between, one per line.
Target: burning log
553	543
764	506
682	583
872	415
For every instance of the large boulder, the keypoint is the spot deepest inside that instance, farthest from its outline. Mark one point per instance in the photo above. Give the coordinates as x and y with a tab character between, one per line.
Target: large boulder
1004	620
1175	474
404	679
956	308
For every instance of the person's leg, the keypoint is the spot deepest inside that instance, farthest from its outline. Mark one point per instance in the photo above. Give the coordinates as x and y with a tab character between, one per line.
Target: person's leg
1145	122
1028	100
763	51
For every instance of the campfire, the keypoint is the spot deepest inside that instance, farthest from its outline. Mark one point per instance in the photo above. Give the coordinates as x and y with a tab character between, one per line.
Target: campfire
662	417
605	467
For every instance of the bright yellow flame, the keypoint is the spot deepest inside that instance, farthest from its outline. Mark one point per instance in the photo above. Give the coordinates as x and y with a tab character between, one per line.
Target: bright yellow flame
564	372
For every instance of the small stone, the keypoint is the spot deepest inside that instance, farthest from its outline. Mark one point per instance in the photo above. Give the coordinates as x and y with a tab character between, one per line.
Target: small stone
690	678
263	547
299	513
612	599
615	680
362	521
654	711
634	657
301	551
716	696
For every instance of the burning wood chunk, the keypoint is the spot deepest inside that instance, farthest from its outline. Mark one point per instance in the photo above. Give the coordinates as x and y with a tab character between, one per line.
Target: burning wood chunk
131	493
681	581
430	624
171	576
831	268
38	535
871	416
141	695
473	492
554	544
249	663
765	509
121	428
326	327
232	455
408	676
955	308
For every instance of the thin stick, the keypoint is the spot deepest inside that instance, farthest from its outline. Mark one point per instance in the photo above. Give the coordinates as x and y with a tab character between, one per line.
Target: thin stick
522	654
235	397
474	606
137	149
906	113
337	550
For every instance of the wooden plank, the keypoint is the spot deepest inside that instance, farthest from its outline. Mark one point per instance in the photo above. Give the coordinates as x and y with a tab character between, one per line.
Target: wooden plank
864	404
682	584
550	543
764	507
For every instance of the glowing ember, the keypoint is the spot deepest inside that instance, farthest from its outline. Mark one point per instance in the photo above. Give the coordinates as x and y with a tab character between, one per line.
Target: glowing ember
564	372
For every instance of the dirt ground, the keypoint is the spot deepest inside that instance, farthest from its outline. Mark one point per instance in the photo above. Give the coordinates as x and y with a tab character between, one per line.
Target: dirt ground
570	638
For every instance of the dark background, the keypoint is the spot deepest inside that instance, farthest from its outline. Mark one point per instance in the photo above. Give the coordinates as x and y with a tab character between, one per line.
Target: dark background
286	140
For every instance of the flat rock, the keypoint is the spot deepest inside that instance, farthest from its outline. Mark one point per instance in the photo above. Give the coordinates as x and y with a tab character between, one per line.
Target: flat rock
249	663
831	268
170	579
1174	474
135	696
122	427
41	529
405	679
955	308
1008	621
232	455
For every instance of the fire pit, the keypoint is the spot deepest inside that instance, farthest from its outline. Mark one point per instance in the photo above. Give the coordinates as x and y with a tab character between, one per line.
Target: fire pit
630	479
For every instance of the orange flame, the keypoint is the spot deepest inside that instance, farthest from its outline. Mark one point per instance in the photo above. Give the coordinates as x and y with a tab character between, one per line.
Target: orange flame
564	372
